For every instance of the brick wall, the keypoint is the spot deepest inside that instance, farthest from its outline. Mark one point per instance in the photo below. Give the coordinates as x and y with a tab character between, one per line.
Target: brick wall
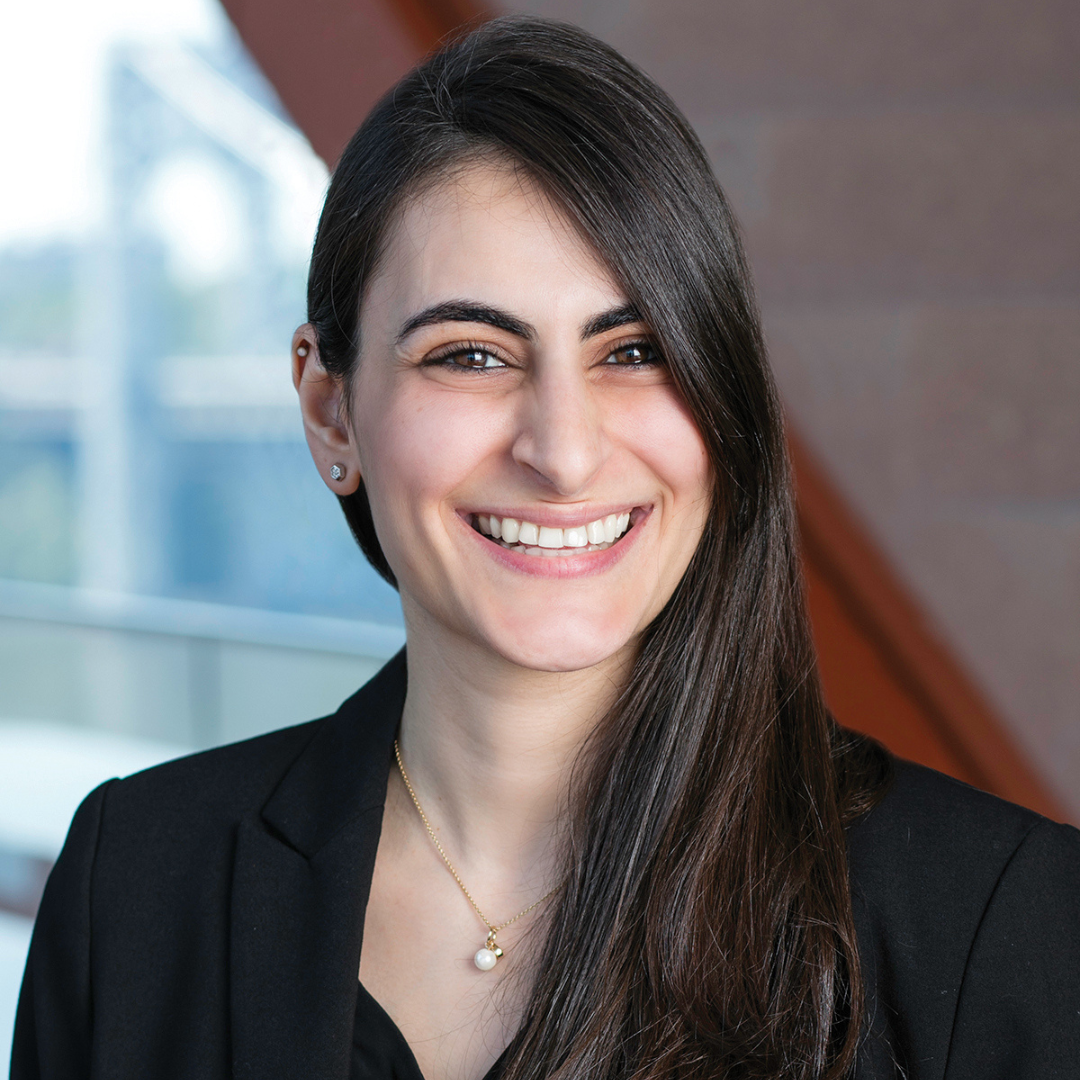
908	177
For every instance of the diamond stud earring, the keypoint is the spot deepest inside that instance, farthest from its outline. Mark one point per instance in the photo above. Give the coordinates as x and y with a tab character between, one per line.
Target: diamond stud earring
337	472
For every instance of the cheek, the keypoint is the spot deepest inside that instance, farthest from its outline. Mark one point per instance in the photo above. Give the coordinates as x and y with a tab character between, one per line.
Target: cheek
415	452
670	443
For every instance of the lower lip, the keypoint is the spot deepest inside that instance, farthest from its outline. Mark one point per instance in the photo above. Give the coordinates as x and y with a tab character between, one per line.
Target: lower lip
562	567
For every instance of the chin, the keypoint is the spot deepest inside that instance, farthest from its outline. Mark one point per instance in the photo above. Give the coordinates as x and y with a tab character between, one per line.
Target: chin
553	649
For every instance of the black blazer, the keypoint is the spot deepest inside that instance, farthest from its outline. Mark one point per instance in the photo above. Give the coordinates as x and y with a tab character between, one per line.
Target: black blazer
204	919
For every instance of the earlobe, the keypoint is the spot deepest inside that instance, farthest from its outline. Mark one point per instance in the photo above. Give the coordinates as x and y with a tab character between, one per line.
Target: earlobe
326	427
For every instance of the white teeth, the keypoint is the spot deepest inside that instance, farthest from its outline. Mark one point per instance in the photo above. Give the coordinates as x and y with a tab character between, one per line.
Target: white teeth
550	538
544	540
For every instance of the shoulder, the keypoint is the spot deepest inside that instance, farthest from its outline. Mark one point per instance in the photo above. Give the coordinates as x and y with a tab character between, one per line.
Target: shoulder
962	899
190	802
307	778
139	911
942	832
140	890
303	781
215	785
934	851
163	838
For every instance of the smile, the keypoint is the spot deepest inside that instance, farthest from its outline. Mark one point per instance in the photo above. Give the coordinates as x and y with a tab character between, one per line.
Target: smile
528	538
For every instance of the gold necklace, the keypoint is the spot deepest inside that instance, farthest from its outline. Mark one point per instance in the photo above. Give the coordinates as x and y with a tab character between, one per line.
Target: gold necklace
488	955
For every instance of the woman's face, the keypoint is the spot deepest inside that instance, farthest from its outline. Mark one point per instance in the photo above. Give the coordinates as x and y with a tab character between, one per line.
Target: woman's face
536	482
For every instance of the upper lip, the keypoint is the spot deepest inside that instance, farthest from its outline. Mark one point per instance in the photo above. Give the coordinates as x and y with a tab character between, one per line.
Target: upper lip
556	518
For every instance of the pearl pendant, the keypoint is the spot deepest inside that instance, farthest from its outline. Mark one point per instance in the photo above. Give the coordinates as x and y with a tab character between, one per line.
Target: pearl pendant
485	959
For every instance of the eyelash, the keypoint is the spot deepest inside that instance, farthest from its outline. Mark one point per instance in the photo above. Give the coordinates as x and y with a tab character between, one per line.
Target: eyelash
447	356
652	358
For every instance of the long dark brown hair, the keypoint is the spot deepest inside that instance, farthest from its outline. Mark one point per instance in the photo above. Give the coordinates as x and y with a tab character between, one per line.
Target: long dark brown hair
706	926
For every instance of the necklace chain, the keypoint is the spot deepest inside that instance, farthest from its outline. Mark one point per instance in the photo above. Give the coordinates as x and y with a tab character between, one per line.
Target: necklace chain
493	929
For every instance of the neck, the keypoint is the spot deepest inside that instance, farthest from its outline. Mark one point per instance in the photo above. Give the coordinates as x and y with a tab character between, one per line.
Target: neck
489	746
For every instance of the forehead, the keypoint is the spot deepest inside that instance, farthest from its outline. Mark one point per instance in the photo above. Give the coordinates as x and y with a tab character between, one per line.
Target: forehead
489	233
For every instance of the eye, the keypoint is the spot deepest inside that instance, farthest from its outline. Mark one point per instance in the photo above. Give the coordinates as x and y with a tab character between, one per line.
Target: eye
472	357
635	354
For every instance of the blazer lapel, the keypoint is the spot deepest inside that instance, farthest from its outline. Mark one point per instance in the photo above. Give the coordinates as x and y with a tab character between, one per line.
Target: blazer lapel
301	877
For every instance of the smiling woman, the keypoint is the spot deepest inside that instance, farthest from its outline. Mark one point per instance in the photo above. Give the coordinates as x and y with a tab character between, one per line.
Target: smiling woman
600	824
548	407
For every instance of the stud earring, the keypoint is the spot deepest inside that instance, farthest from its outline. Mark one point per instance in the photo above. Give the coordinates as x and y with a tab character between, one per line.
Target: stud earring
337	472
301	350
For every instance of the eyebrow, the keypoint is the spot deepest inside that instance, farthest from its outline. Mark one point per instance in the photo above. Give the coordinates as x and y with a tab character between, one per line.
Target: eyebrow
610	320
471	311
468	311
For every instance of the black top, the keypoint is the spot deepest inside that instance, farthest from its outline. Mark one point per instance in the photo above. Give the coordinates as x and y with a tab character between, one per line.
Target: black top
205	918
379	1050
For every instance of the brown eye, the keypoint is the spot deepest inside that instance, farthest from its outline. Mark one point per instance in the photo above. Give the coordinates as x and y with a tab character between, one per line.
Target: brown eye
477	358
636	354
470	357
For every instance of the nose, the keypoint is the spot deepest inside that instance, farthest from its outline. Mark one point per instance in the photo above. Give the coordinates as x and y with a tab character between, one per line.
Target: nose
560	436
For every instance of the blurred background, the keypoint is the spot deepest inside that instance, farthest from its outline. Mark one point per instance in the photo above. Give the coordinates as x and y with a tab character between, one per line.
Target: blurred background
173	573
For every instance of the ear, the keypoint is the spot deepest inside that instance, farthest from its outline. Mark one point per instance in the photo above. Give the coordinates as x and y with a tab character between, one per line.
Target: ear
322	403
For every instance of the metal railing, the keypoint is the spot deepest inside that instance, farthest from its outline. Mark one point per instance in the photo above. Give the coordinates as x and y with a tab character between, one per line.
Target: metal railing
195	674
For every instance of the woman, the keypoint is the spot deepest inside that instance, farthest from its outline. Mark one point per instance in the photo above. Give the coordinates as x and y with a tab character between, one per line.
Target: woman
601	824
